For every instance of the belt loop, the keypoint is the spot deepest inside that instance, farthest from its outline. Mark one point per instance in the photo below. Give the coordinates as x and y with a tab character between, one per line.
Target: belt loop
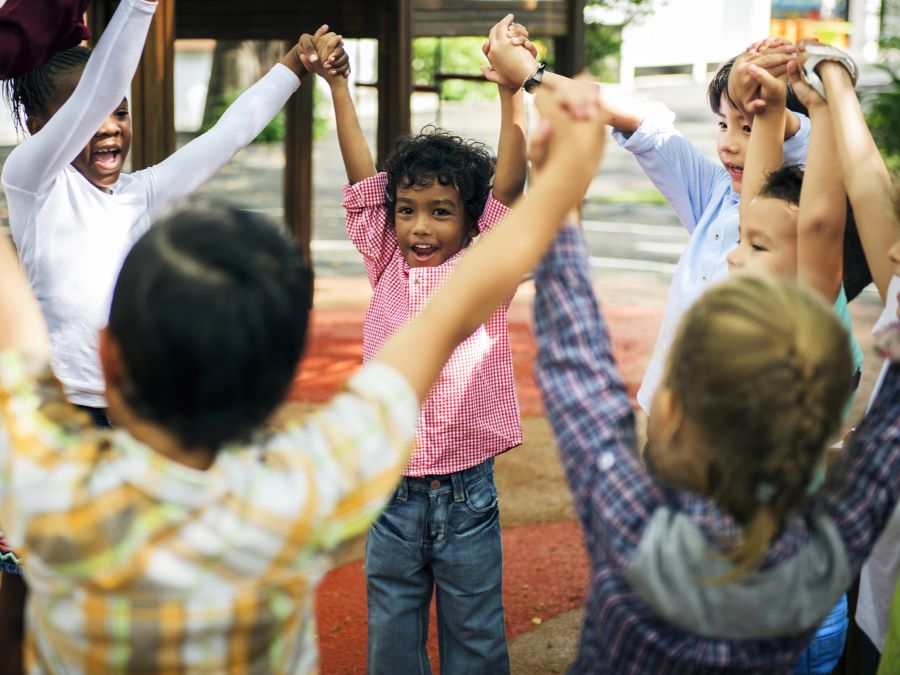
403	489
459	490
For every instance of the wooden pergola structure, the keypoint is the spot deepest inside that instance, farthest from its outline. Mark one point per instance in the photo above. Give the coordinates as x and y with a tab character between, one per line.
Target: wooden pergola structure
394	23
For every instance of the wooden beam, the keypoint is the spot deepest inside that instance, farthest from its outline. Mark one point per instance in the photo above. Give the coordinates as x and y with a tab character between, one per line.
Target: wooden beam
394	73
298	184
153	92
569	49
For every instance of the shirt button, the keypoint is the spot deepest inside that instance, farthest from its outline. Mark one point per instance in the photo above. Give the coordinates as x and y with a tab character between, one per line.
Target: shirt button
416	280
704	277
717	236
435	484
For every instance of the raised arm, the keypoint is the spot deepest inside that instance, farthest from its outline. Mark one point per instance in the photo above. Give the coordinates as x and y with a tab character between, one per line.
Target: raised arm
509	177
103	85
866	178
21	324
490	272
355	150
198	161
823	204
765	152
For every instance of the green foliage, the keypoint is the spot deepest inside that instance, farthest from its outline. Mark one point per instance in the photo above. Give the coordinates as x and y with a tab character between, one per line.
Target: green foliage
274	130
881	114
456	55
603	42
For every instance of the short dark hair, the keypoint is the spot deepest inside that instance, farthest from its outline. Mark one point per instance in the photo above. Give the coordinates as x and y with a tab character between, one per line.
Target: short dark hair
31	94
785	184
719	86
210	314
436	155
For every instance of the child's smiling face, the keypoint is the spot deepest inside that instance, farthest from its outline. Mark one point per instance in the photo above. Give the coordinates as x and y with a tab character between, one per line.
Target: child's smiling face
732	141
768	243
430	223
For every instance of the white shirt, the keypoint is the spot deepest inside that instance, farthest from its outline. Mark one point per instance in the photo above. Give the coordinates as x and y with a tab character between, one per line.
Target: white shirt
699	190
71	236
879	575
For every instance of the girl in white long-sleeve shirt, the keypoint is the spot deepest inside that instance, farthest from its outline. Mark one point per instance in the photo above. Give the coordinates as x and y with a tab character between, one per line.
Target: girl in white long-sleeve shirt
74	214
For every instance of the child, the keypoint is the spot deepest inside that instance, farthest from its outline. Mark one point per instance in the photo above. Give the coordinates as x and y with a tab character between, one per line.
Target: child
717	560
73	213
793	227
440	533
188	540
705	194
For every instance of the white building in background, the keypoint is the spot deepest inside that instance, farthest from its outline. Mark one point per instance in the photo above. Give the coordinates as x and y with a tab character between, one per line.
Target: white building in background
698	34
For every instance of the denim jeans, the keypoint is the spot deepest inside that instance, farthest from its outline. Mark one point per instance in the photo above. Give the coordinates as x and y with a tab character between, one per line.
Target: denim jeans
443	533
827	646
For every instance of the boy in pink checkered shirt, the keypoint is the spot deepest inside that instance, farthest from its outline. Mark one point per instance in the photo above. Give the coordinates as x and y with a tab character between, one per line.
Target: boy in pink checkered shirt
441	530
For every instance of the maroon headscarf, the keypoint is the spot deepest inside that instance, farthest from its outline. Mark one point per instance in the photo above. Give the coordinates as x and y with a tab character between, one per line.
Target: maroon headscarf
32	31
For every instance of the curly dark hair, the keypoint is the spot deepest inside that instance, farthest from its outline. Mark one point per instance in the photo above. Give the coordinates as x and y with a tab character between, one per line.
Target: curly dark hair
33	93
719	86
437	155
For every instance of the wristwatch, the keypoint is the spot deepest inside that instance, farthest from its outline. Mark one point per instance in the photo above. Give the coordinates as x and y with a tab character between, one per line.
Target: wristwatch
535	79
817	54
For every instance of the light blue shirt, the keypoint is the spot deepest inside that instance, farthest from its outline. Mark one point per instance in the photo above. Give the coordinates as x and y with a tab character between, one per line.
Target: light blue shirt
699	189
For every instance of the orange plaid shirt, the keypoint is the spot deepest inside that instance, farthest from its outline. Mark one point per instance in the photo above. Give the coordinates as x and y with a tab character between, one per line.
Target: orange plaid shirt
137	563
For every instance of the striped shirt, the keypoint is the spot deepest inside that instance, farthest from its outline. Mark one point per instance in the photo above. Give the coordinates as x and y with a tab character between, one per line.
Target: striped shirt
632	522
472	413
136	563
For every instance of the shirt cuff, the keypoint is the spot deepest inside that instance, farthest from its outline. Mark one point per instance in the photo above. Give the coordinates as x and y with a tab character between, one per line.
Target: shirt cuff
367	193
494	211
285	74
658	121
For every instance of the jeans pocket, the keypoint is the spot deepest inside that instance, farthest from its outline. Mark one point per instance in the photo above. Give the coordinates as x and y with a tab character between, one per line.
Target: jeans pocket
481	495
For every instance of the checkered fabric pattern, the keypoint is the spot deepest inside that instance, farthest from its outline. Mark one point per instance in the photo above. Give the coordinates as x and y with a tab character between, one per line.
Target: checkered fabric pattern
136	563
615	497
472	413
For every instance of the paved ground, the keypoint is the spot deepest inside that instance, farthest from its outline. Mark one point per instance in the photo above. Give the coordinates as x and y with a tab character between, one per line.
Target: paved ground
634	248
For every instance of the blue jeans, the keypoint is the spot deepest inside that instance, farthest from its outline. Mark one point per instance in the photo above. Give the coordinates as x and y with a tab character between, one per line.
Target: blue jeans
827	646
443	533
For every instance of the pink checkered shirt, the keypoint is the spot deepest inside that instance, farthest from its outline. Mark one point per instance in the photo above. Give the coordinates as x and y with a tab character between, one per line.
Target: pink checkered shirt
472	413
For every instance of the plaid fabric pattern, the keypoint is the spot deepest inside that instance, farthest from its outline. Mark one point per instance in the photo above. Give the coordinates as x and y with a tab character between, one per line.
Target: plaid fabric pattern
615	497
136	563
472	413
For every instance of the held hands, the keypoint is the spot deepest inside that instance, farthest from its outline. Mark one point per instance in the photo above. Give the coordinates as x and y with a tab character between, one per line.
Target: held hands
576	143
511	55
323	54
808	96
749	88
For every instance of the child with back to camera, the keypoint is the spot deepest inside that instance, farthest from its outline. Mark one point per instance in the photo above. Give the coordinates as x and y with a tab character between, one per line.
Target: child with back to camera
714	558
191	538
440	534
792	226
704	193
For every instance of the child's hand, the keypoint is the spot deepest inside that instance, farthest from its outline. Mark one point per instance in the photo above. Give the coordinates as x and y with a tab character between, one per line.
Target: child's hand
511	63
518	35
808	96
577	144
323	54
745	87
580	97
766	44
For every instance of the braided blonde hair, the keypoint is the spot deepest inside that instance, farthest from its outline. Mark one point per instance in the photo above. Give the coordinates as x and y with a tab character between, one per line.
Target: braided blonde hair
762	369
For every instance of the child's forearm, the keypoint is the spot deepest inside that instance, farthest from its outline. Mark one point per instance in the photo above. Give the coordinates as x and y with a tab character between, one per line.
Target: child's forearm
21	324
765	153
866	178
625	113
509	177
355	151
820	222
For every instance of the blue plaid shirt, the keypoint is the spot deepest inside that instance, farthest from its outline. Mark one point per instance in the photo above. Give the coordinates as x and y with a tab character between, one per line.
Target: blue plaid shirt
615	497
